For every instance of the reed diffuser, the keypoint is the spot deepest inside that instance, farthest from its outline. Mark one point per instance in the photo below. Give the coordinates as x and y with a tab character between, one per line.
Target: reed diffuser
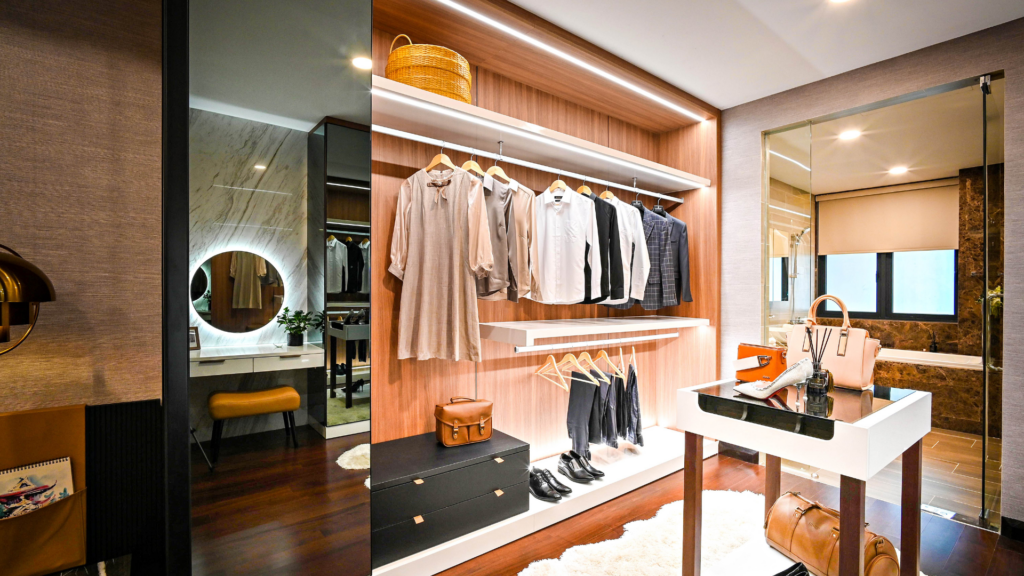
821	381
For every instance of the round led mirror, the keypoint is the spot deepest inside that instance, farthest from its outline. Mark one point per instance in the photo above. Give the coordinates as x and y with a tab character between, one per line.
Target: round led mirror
237	292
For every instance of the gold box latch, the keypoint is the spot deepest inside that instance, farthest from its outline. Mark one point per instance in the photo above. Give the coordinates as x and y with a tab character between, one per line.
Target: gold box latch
418	519
499	492
418	481
499	460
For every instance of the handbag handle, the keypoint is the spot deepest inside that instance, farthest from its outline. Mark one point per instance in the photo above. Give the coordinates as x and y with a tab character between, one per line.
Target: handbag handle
812	314
396	40
455	399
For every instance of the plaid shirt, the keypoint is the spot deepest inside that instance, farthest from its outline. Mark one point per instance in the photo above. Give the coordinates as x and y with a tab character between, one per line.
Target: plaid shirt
661	281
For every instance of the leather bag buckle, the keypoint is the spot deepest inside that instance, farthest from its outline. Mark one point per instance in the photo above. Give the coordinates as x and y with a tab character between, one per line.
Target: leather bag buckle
455	430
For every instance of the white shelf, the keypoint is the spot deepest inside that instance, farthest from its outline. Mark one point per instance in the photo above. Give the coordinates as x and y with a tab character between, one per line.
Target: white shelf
625	471
401	107
525	333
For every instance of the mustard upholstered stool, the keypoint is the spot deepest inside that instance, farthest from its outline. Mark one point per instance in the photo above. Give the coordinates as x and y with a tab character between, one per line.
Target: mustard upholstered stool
224	405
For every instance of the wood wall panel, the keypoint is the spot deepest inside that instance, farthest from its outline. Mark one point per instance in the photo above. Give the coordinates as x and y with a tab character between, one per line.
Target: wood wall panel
80	139
433	23
526	406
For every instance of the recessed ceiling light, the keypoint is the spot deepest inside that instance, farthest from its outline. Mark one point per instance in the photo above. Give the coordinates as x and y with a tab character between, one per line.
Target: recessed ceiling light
898	170
362	63
838	1
260	167
849	135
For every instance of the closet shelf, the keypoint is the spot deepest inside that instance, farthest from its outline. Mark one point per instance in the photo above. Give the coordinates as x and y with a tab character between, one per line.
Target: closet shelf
526	332
400	107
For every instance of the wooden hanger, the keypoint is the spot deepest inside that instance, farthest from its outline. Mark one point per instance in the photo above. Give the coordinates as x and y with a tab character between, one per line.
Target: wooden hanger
572	361
331	237
607	195
585	190
587	360
602	355
441	159
348	239
546	370
364	242
496	172
472	166
556	185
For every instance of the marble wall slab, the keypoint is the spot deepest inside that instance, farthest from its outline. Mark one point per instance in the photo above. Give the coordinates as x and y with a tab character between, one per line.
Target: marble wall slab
234	206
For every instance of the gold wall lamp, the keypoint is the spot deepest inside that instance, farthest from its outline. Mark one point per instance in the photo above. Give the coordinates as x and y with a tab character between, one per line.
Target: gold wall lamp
22	288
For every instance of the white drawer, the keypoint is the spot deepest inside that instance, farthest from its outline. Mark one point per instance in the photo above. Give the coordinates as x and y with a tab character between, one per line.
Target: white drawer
216	367
287	362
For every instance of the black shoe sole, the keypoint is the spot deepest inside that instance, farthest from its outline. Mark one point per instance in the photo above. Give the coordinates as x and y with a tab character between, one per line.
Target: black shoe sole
579	481
542	497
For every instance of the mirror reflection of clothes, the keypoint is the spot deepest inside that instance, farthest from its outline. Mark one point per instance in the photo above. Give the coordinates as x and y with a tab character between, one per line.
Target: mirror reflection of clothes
354	281
365	248
246	269
336	266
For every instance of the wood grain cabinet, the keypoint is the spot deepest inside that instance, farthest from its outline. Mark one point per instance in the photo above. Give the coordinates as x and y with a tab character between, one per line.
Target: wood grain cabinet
423	494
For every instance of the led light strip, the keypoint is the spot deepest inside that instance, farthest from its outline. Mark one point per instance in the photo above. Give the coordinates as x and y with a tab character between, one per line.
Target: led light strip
500	128
586	66
348	186
516	161
790	159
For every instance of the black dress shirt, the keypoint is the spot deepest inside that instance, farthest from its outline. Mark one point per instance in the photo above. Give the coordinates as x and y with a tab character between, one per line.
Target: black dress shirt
612	282
355	267
680	247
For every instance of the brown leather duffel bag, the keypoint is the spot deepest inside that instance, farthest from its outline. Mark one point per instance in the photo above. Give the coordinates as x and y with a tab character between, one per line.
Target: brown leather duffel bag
808	532
463	421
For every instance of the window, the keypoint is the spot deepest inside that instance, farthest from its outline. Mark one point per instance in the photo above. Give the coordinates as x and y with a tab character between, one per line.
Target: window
891	285
780	279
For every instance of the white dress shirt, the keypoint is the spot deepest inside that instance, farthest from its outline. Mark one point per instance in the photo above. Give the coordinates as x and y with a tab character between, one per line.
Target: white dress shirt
564	224
336	266
636	261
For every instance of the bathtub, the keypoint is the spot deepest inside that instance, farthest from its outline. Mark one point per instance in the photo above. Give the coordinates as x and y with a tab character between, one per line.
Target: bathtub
930	359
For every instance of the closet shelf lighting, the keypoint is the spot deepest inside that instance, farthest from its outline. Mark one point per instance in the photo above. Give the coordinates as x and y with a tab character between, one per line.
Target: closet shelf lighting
501	128
348	186
362	63
790	159
849	135
574	60
898	170
517	162
260	167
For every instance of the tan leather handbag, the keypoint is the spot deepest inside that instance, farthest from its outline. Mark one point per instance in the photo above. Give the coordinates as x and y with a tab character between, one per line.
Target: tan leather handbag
808	532
463	421
849	355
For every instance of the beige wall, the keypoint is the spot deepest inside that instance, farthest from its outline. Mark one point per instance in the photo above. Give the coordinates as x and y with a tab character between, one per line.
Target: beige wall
80	108
990	50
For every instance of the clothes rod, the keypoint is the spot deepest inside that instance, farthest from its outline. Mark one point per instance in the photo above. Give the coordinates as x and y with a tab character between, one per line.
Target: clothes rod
588	344
516	161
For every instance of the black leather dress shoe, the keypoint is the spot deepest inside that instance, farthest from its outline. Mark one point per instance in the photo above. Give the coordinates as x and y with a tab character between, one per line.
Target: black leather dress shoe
541	490
573	470
585	464
547	475
797	569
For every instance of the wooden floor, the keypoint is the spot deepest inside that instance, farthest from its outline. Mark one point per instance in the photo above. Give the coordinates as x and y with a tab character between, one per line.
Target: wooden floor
270	508
952	475
949	549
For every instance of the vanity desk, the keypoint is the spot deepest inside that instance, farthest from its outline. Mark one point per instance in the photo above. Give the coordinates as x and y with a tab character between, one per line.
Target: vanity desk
222	360
856	433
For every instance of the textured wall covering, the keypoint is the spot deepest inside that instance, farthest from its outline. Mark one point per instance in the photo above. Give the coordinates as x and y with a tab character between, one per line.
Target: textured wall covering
80	84
236	207
991	50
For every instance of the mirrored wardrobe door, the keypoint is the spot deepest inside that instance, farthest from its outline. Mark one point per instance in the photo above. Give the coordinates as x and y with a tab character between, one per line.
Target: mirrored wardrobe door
279	380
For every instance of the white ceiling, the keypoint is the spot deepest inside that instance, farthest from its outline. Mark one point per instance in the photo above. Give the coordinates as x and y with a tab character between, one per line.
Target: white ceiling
933	137
728	52
287	64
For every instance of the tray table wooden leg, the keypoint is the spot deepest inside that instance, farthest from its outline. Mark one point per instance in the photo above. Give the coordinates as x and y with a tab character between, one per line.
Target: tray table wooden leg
910	503
852	493
693	488
772	481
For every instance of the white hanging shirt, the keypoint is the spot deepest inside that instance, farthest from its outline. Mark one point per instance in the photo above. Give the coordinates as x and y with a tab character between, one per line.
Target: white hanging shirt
336	266
365	247
564	225
636	261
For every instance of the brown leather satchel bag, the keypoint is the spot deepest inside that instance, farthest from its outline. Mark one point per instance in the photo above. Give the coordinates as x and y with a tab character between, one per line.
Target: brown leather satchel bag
808	532
463	421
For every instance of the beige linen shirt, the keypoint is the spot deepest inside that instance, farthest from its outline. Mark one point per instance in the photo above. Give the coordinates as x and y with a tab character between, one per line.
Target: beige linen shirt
441	245
524	201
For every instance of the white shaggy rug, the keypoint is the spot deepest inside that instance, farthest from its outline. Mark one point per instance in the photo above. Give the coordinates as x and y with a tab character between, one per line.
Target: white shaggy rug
357	458
652	547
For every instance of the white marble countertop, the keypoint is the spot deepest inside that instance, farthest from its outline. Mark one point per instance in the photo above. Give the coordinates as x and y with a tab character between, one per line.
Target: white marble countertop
252	351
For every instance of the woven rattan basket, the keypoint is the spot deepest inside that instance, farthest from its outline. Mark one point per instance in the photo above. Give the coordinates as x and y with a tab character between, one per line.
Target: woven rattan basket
432	68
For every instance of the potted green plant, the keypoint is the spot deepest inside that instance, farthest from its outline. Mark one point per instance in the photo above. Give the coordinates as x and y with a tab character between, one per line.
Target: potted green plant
295	324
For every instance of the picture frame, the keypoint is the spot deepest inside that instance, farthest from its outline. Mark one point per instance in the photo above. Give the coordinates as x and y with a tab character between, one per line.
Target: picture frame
193	338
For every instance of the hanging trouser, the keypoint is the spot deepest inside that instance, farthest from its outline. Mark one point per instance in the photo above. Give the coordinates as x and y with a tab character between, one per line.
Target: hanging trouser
581	405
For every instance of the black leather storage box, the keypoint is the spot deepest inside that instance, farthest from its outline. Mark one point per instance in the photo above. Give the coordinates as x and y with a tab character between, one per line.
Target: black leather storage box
423	494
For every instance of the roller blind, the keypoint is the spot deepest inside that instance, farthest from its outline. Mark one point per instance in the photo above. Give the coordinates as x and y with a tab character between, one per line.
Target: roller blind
904	220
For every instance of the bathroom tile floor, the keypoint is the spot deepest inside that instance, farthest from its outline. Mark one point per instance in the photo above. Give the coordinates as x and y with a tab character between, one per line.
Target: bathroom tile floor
952	475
